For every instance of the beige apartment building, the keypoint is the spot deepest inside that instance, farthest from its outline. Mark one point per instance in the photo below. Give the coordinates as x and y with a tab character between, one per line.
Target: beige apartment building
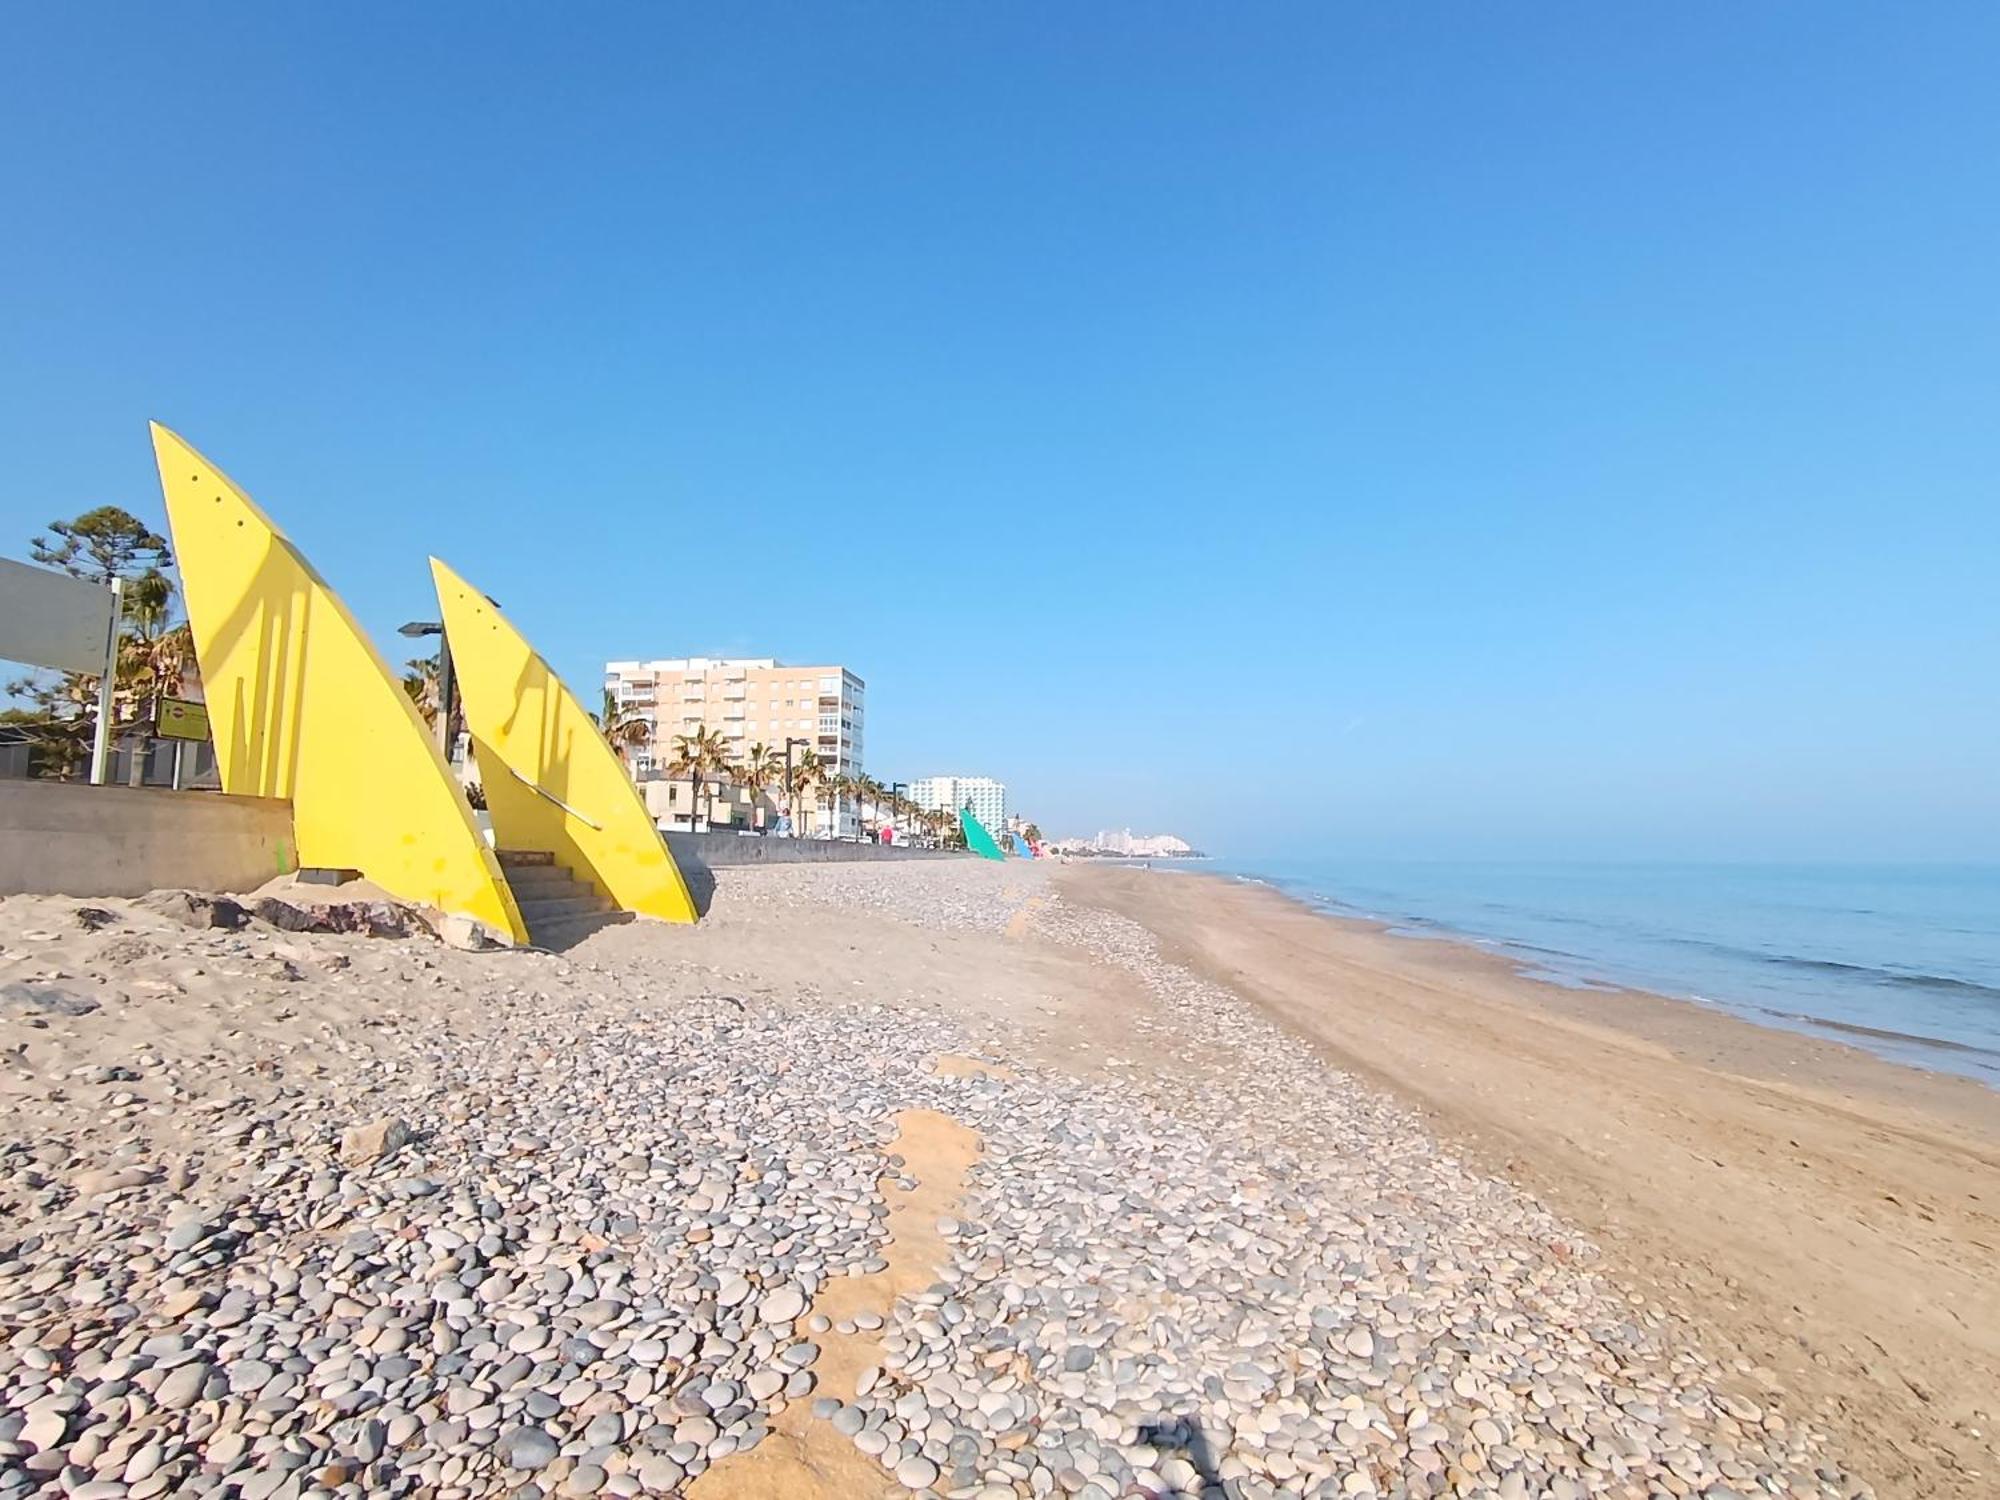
721	808
748	701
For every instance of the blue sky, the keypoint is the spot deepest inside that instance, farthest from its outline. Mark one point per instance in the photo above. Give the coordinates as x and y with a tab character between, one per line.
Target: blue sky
1573	426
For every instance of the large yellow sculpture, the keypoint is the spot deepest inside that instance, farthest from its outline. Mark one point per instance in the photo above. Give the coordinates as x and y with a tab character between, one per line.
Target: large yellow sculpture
302	707
552	783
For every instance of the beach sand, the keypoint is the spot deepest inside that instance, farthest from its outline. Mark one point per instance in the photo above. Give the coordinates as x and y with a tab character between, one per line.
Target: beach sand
1828	1219
1267	1197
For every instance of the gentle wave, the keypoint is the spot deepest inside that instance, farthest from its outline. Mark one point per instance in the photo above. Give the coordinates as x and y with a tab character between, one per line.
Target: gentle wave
1903	978
1870	973
1883	1033
1902	961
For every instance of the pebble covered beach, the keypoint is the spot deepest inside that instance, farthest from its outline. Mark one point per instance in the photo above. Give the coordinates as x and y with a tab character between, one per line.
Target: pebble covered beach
297	1214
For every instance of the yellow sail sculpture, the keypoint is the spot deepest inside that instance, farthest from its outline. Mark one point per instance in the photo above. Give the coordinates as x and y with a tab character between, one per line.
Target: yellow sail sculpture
552	782
303	707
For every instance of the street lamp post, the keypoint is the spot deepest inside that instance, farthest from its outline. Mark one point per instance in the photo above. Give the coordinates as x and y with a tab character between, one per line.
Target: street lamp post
896	789
417	630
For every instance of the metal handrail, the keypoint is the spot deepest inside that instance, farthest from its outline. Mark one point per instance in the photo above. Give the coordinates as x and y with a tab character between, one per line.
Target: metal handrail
543	791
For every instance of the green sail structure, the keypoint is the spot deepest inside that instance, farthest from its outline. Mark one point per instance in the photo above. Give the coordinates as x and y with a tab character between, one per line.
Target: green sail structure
977	839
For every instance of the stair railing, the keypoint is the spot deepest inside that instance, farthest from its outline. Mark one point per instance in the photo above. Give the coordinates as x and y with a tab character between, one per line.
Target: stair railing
542	791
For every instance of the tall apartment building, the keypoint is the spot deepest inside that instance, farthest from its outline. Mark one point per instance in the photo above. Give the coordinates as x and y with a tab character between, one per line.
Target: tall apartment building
987	797
748	701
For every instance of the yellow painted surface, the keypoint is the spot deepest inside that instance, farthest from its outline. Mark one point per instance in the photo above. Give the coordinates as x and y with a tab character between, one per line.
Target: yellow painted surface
303	707
529	732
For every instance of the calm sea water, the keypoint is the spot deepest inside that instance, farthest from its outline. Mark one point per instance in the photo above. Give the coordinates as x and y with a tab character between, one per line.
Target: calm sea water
1903	960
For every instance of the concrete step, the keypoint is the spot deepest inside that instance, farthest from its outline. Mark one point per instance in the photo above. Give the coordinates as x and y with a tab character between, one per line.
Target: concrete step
550	908
558	908
511	858
528	881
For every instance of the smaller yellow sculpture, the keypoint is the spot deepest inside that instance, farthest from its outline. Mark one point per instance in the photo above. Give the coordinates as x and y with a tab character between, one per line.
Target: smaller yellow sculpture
302	707
552	783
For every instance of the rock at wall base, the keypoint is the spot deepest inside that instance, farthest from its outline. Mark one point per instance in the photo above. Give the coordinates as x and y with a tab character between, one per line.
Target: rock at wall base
195	909
382	919
466	934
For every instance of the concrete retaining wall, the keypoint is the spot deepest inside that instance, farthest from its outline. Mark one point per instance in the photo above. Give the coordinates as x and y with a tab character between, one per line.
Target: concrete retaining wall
716	849
65	838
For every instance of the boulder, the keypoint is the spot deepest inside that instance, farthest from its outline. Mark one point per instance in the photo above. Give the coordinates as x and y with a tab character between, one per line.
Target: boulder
195	909
286	917
383	919
466	934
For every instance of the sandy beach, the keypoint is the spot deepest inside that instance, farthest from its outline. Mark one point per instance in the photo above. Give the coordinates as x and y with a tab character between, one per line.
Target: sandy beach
960	1180
1829	1220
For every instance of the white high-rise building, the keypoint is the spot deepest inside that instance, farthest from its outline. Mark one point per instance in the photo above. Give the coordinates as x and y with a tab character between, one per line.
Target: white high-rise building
987	797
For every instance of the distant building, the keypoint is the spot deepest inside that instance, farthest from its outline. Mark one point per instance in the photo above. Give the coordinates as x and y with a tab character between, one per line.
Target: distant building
747	701
1125	844
987	797
723	807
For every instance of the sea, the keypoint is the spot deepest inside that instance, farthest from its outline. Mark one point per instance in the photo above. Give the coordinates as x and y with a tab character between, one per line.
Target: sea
1902	960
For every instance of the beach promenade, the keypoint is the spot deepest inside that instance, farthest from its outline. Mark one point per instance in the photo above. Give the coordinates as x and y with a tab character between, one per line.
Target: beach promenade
957	1179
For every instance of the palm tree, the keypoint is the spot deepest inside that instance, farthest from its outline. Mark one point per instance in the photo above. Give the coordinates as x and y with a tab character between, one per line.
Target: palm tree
624	729
154	656
868	788
420	681
153	664
697	755
718	754
807	771
757	770
153	661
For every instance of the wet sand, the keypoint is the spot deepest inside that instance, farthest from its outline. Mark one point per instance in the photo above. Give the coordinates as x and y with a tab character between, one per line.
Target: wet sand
1826	1219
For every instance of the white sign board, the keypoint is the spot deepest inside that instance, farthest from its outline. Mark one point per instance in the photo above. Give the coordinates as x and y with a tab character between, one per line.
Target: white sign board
53	620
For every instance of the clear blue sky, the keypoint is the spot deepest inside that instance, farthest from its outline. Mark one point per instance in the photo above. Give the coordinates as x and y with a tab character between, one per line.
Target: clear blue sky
1576	426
